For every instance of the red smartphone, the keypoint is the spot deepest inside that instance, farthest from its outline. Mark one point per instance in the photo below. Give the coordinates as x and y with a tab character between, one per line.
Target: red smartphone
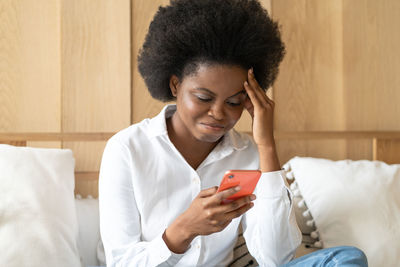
246	179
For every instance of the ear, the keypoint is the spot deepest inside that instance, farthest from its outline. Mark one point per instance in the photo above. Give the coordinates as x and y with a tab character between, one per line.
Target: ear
173	85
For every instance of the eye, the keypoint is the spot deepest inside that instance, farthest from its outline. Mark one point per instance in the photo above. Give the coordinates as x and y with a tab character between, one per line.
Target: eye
203	98
234	101
234	104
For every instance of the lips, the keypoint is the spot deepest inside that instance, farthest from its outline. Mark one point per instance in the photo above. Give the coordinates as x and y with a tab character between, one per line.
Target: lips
213	126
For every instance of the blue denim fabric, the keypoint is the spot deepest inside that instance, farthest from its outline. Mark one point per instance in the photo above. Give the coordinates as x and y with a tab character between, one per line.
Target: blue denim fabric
344	256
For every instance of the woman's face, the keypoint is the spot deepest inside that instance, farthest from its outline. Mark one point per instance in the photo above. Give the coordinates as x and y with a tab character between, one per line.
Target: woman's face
209	102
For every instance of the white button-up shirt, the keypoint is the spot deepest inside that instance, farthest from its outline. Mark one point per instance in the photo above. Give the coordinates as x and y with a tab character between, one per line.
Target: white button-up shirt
145	184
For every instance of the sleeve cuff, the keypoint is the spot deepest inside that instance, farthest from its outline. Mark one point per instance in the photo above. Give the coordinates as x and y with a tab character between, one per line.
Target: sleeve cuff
271	185
160	250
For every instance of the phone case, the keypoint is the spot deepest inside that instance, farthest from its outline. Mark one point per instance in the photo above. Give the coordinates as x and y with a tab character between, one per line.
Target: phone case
246	179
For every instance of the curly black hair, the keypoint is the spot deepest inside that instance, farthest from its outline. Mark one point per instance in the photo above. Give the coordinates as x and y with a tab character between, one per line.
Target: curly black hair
187	33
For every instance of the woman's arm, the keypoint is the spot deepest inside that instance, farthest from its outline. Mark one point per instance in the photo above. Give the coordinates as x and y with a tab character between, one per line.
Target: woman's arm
261	109
270	228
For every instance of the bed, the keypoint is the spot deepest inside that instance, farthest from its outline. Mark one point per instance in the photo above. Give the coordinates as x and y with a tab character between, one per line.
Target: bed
81	239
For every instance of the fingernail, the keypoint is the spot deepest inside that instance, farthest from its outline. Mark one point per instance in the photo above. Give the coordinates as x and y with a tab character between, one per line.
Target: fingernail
251	70
252	197
251	204
246	83
237	188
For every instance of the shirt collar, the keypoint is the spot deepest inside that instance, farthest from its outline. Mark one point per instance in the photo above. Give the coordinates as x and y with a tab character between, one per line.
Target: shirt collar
158	124
158	127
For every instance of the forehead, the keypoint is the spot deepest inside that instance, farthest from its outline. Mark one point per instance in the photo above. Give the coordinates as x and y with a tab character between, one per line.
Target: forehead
224	80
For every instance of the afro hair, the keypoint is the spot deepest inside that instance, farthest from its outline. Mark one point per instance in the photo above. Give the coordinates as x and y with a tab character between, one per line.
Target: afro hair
187	33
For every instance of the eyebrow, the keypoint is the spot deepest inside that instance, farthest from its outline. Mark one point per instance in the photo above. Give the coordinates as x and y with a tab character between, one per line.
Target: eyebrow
213	94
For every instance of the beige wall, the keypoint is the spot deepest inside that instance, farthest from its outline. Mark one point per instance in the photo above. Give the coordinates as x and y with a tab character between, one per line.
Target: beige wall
70	66
340	73
65	67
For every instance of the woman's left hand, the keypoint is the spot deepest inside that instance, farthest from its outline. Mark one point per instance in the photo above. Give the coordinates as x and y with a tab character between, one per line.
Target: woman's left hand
261	109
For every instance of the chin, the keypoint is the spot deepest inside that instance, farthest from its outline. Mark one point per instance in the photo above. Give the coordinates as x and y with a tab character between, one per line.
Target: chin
209	138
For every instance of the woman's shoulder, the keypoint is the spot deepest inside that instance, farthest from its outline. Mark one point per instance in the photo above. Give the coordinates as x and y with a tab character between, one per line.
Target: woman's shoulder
135	133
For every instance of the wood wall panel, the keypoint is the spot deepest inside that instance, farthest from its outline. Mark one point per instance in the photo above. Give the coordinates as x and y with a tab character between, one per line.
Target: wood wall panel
30	66
95	72
387	150
143	105
371	42
371	62
309	89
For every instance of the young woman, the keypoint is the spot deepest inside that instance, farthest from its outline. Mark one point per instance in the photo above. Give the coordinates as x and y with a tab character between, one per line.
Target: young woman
159	204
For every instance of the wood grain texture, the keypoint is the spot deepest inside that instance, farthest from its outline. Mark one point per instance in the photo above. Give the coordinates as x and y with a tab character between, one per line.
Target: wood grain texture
95	72
371	62
143	105
371	43
387	150
86	184
94	136
95	65
86	188
309	91
30	65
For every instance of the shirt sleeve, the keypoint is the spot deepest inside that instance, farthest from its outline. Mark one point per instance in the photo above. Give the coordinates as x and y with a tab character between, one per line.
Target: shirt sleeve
270	227
120	226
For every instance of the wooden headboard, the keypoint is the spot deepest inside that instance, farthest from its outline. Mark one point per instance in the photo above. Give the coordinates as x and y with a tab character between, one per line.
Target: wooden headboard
385	147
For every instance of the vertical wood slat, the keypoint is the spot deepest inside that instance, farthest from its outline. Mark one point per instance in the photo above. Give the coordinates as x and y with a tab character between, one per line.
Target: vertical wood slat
30	66
14	143
387	150
86	183
309	92
143	105
371	63
96	73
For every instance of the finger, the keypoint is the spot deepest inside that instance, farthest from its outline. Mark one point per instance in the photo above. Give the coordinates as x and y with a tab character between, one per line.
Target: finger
223	225
238	212
219	197
252	95
249	106
236	204
208	192
254	84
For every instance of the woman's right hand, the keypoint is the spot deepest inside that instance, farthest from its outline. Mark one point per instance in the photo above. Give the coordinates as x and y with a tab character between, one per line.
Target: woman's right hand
206	215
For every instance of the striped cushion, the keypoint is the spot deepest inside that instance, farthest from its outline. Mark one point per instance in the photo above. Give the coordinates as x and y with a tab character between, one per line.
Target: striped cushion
241	255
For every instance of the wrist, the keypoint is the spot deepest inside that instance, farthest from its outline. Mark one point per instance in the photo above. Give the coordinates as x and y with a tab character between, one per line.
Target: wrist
177	237
268	158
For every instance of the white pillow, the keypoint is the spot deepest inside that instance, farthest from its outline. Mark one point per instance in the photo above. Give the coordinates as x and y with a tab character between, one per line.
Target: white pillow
354	203
89	229
38	224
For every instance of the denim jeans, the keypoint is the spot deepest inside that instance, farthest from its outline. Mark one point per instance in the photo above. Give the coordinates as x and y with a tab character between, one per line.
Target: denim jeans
345	256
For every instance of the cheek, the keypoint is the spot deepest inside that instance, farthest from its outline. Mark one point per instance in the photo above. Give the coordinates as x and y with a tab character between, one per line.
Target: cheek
234	115
190	107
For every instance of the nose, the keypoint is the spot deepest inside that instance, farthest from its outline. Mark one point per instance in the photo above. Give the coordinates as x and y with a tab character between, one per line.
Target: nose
217	111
